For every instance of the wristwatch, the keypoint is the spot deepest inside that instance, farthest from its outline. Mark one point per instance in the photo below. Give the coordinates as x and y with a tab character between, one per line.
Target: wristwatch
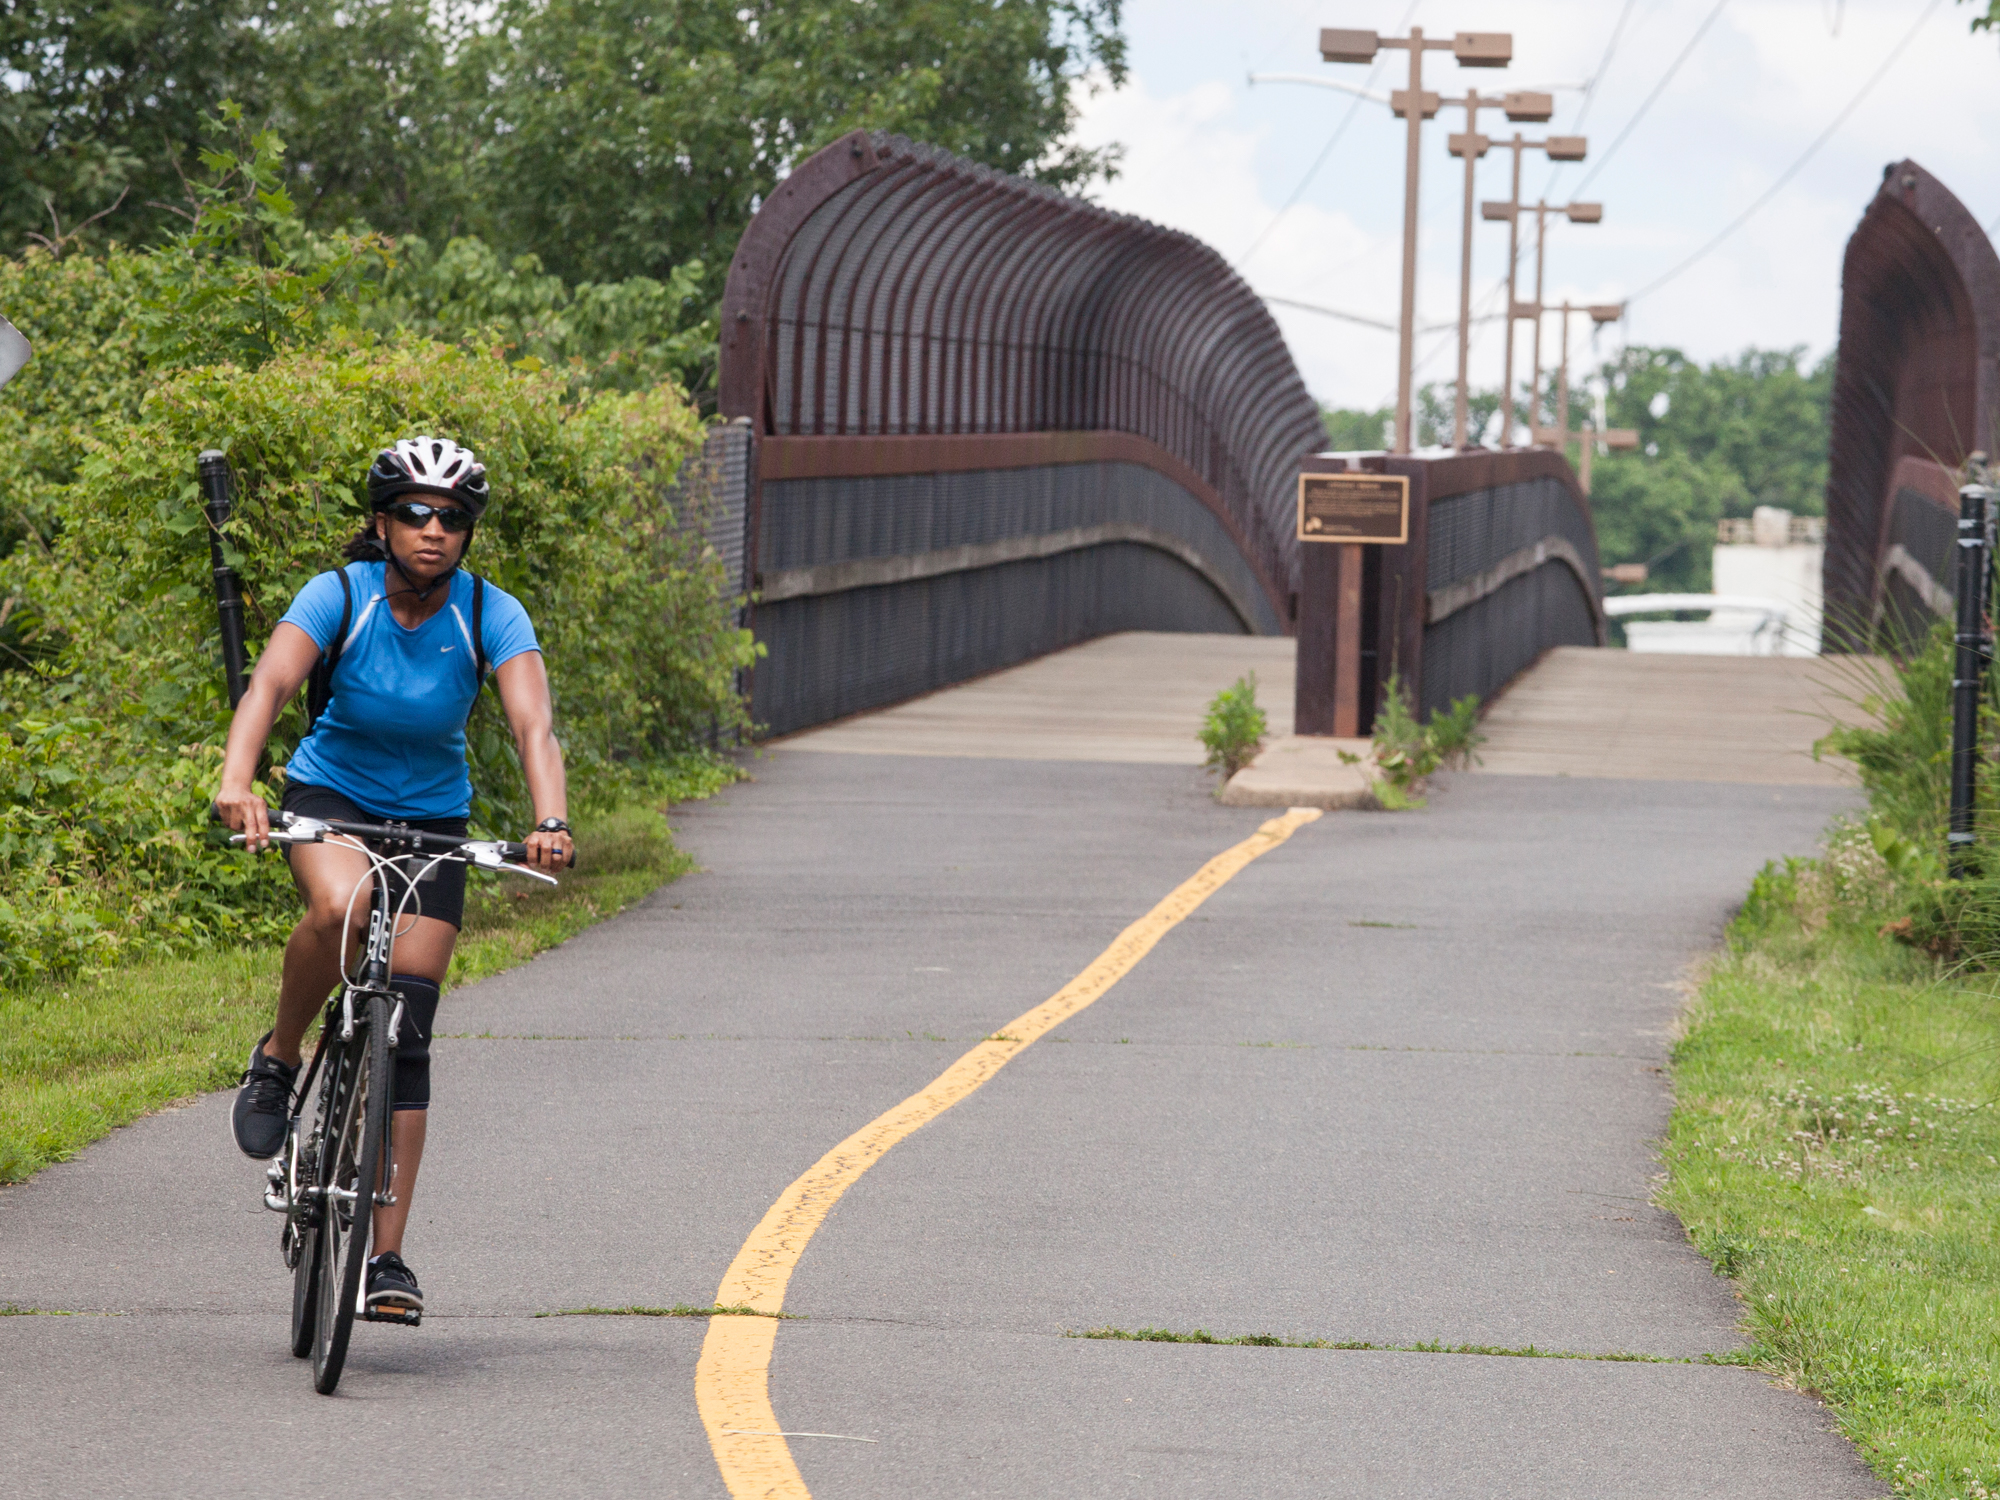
552	825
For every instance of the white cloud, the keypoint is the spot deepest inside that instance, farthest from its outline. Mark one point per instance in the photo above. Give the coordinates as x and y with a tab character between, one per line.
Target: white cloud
1209	154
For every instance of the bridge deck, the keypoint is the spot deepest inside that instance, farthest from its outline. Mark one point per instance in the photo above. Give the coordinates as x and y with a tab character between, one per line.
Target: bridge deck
1583	712
1139	698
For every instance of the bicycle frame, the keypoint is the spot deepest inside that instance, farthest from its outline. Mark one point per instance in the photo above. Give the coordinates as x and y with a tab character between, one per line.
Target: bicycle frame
288	1191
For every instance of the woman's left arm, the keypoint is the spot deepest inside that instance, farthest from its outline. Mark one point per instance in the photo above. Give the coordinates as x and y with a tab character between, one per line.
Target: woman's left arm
524	692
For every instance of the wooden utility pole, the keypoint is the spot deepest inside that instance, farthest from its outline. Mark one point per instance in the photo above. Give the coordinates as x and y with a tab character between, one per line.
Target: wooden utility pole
1559	148
1560	435
1521	108
1472	49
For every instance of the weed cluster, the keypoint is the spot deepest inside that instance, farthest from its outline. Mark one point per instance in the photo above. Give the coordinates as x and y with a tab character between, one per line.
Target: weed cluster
1406	751
1234	730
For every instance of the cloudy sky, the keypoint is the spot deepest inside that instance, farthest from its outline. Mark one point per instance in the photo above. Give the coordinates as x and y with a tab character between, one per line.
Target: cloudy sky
1758	82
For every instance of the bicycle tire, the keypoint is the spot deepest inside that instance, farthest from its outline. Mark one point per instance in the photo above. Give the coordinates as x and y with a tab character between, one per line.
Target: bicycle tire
351	1161
305	1231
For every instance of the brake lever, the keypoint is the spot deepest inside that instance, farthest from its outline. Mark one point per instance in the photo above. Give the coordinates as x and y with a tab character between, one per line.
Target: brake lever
488	857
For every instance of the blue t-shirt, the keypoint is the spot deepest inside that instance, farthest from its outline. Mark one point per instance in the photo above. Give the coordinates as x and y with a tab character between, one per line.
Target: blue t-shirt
392	738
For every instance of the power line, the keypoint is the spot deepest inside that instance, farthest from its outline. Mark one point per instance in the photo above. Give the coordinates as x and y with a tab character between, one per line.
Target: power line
1793	170
1610	48
1658	89
1324	152
1366	322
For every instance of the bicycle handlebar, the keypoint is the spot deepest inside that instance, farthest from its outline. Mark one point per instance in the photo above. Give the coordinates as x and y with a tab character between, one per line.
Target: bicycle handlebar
292	828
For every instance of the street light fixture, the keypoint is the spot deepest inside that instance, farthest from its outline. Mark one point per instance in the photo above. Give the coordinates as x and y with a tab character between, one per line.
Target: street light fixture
1557	148
1576	213
1472	49
1559	436
1521	109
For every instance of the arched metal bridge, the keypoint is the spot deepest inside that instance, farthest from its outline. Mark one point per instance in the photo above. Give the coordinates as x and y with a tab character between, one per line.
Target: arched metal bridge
974	420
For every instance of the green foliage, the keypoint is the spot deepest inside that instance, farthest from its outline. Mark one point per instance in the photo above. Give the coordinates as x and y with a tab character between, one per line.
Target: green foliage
610	139
80	313
1832	1150
103	853
1406	752
101	107
1724	439
618	138
1905	757
1349	431
242	282
1233	732
239	333
1431	415
626	604
625	335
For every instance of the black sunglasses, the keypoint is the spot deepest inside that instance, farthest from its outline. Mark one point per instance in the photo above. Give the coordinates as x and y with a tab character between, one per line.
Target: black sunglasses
410	513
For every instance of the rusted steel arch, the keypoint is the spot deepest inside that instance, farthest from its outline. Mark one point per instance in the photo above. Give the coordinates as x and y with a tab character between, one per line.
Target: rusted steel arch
1917	375
891	288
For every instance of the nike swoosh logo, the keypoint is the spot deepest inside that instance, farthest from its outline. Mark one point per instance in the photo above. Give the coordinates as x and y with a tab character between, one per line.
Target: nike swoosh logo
444	648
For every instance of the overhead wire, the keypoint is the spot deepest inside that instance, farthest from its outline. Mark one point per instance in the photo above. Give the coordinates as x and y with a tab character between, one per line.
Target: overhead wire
1658	89
1807	155
1597	77
1324	152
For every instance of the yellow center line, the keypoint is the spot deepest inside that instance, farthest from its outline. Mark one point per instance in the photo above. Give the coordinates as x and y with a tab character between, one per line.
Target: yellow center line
732	1378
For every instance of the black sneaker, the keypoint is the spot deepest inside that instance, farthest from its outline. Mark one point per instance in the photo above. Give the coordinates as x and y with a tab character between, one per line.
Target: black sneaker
393	1296
263	1104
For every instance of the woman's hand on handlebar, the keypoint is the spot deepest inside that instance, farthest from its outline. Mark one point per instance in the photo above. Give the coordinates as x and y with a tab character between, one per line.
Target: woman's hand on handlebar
245	812
550	851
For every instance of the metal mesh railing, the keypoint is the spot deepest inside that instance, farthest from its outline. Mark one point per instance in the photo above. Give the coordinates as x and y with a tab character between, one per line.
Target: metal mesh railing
1123	548
1512	571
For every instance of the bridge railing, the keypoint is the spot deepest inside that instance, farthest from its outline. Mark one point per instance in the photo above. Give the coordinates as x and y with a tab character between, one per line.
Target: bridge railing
1501	565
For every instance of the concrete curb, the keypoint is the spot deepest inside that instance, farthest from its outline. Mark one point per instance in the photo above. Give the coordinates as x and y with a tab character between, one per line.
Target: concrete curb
1300	770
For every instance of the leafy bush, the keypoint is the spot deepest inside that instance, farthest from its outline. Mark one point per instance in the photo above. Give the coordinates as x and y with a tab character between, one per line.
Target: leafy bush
241	335
102	852
1233	732
624	599
1406	752
627	335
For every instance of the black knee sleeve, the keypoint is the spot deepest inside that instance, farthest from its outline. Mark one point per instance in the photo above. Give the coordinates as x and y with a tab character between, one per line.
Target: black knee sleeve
413	1040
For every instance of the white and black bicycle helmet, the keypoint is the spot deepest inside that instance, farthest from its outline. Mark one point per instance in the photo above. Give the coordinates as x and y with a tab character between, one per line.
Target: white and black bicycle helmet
428	466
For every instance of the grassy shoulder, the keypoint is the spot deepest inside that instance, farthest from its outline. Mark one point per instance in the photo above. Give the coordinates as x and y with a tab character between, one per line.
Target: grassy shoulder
79	1059
1836	1150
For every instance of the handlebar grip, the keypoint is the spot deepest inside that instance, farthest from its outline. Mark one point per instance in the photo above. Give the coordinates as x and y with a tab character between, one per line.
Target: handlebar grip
518	853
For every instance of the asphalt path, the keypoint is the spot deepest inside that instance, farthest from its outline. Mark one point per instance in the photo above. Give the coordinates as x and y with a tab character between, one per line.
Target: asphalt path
1398	1081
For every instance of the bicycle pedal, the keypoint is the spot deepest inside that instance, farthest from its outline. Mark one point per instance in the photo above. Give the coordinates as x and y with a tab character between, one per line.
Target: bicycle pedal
410	1317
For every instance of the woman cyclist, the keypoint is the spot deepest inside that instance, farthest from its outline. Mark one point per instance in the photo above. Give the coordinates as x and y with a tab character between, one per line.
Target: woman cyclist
389	745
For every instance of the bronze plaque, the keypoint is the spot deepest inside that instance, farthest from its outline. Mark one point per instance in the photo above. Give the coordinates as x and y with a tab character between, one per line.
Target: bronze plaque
1354	508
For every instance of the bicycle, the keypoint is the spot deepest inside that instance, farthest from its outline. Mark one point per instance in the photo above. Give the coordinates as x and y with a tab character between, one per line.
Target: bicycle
327	1179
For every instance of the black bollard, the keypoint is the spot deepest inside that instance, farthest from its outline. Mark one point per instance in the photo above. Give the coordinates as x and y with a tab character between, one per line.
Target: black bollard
1971	661
213	466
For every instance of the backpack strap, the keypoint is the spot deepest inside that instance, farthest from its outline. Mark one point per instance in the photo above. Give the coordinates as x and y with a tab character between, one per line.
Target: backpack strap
479	666
319	686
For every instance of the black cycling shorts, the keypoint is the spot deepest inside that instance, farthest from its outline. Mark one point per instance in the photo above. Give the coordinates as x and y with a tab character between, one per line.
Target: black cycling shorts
440	894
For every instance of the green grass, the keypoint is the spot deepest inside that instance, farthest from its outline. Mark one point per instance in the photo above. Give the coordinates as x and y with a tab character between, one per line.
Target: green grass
1836	1150
1423	1346
79	1059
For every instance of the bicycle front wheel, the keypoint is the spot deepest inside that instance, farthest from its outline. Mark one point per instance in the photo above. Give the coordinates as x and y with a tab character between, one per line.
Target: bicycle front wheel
350	1173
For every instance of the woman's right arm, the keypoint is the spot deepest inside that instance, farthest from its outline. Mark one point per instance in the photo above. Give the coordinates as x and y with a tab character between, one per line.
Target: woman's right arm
286	662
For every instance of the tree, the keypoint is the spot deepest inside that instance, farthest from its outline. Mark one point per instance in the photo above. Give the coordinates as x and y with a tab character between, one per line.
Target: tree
1431	414
618	138
101	107
1714	441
